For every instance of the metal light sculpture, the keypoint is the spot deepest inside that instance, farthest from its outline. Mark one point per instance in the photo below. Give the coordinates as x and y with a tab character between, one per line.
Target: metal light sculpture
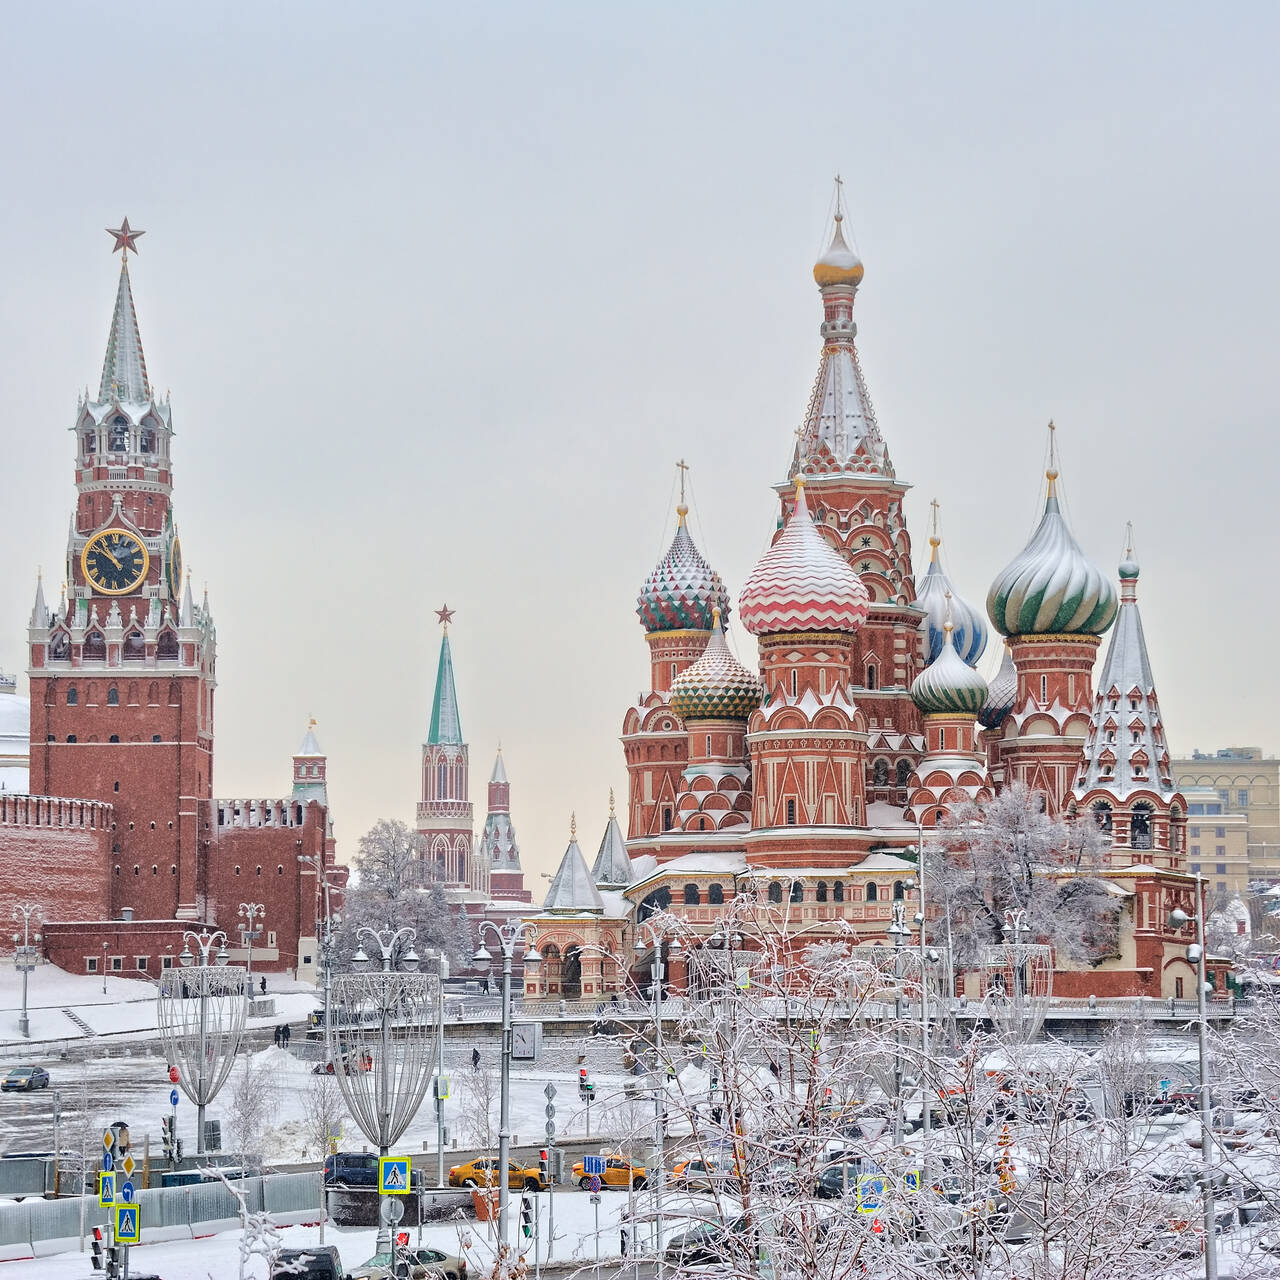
201	1014
381	1040
1017	980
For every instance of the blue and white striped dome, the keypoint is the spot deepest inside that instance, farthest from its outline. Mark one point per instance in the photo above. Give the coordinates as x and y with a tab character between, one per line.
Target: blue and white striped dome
970	628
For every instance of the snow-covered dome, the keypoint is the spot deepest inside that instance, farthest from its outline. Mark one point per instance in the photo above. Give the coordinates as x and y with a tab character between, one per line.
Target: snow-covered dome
683	590
802	583
15	737
839	265
717	686
970	627
1050	588
1002	692
948	685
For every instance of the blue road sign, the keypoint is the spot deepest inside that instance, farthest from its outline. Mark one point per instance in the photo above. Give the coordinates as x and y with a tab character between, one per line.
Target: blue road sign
128	1224
594	1184
126	1193
106	1189
593	1165
107	1162
393	1175
173	1097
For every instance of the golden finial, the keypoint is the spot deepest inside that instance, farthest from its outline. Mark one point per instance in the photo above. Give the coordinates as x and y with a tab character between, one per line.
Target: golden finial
611	805
715	616
573	826
311	722
1051	474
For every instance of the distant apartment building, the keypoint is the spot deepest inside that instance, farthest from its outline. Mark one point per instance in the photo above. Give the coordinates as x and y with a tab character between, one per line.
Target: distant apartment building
1217	844
1247	783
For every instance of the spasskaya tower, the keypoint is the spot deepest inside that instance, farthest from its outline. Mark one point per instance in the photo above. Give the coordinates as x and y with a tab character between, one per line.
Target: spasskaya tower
122	670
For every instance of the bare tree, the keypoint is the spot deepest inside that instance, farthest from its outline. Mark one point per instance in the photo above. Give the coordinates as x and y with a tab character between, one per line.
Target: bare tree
323	1114
477	1099
988	859
252	1105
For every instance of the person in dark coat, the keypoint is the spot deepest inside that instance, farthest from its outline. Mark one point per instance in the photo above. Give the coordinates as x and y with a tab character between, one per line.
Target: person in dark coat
277	1035
286	1034
475	1059
264	986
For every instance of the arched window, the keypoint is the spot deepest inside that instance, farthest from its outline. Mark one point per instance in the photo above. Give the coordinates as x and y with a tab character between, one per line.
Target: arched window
73	695
871	675
666	819
442	781
837	891
797	891
259	870
280	870
95	647
135	647
60	646
880	773
821	892
167	647
1140	827
155	870
115	737
113	696
175	693
871	891
791	813
1102	815
715	895
775	892
795	683
692	898
899	891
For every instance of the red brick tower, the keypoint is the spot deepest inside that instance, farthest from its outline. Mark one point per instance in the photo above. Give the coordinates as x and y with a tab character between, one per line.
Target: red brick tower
498	845
1054	605
122	674
856	501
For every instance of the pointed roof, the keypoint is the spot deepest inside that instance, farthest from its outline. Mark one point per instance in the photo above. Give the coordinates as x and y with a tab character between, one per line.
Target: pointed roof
612	868
840	432
446	723
310	743
1126	765
39	610
187	617
572	888
499	773
124	371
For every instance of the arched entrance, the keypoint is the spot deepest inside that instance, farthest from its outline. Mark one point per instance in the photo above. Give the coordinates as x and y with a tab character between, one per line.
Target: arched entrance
571	980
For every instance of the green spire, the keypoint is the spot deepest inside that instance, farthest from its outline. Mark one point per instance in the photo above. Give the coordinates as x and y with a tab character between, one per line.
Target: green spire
446	723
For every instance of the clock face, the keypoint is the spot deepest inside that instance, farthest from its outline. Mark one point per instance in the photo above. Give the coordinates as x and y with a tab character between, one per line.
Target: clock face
115	562
174	567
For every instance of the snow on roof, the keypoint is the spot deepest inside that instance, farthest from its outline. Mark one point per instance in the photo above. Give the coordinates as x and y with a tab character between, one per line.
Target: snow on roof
880	813
572	889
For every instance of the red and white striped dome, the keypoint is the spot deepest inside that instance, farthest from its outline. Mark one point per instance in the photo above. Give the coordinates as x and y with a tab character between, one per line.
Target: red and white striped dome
802	583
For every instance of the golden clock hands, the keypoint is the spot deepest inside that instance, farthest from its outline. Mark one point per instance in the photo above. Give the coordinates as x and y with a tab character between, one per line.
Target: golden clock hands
114	561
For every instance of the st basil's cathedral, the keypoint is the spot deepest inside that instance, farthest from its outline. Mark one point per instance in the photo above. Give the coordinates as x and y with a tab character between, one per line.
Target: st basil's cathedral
810	781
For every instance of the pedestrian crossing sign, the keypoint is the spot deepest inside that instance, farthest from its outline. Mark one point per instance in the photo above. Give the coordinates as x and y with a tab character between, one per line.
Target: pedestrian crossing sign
106	1188
393	1175
128	1224
911	1180
870	1192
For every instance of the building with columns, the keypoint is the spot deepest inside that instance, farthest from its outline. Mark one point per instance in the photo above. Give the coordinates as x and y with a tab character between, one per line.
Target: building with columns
807	782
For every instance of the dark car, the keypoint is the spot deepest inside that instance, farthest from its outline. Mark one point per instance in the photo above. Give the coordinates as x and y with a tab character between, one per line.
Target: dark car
25	1078
838	1179
322	1263
357	1169
704	1244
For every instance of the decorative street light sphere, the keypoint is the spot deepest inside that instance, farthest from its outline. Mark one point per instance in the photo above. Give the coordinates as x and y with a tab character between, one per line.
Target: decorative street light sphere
482	957
1178	919
410	960
360	961
533	955
186	959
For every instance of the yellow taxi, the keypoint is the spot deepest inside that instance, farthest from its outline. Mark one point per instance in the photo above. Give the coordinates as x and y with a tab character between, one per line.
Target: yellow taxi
484	1173
703	1175
617	1173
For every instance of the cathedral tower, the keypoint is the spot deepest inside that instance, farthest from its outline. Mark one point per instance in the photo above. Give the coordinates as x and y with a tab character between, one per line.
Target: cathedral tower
122	672
445	819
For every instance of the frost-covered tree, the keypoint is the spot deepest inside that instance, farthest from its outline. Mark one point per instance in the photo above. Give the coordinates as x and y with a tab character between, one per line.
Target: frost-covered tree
324	1113
990	858
394	886
252	1105
477	1106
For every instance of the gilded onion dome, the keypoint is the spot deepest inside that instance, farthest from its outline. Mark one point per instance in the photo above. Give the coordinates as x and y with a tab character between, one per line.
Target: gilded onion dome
933	595
802	583
683	590
948	686
1002	693
839	265
717	686
1050	588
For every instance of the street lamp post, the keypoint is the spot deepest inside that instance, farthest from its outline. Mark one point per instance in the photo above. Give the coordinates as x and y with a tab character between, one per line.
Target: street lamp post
657	972
201	1014
506	936
249	912
104	968
898	933
24	956
1179	919
442	971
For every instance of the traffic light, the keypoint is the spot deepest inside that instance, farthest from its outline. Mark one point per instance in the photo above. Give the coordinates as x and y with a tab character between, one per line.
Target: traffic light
542	1163
169	1126
585	1087
526	1215
96	1246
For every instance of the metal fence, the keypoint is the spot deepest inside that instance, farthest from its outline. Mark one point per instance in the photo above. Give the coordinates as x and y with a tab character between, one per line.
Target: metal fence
38	1227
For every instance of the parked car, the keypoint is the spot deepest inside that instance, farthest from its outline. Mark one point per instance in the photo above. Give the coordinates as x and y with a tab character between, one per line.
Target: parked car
350	1064
703	1244
702	1175
24	1078
484	1173
423	1264
357	1169
617	1173
322	1263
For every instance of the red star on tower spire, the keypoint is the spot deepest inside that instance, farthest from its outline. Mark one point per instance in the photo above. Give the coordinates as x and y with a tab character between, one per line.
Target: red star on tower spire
445	616
126	237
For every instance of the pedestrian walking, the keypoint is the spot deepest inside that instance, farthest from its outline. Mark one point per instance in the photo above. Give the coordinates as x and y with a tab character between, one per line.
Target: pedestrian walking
475	1059
286	1035
264	986
277	1037
623	1233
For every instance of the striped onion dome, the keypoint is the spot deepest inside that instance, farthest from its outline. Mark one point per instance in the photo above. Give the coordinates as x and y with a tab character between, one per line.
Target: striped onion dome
948	685
1050	588
802	583
717	686
1002	693
683	589
970	634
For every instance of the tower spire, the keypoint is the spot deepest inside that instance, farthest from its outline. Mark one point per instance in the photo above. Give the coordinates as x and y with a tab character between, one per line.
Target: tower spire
124	370
446	723
683	509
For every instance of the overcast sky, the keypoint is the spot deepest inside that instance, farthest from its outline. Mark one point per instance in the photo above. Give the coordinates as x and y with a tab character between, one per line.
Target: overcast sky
442	293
